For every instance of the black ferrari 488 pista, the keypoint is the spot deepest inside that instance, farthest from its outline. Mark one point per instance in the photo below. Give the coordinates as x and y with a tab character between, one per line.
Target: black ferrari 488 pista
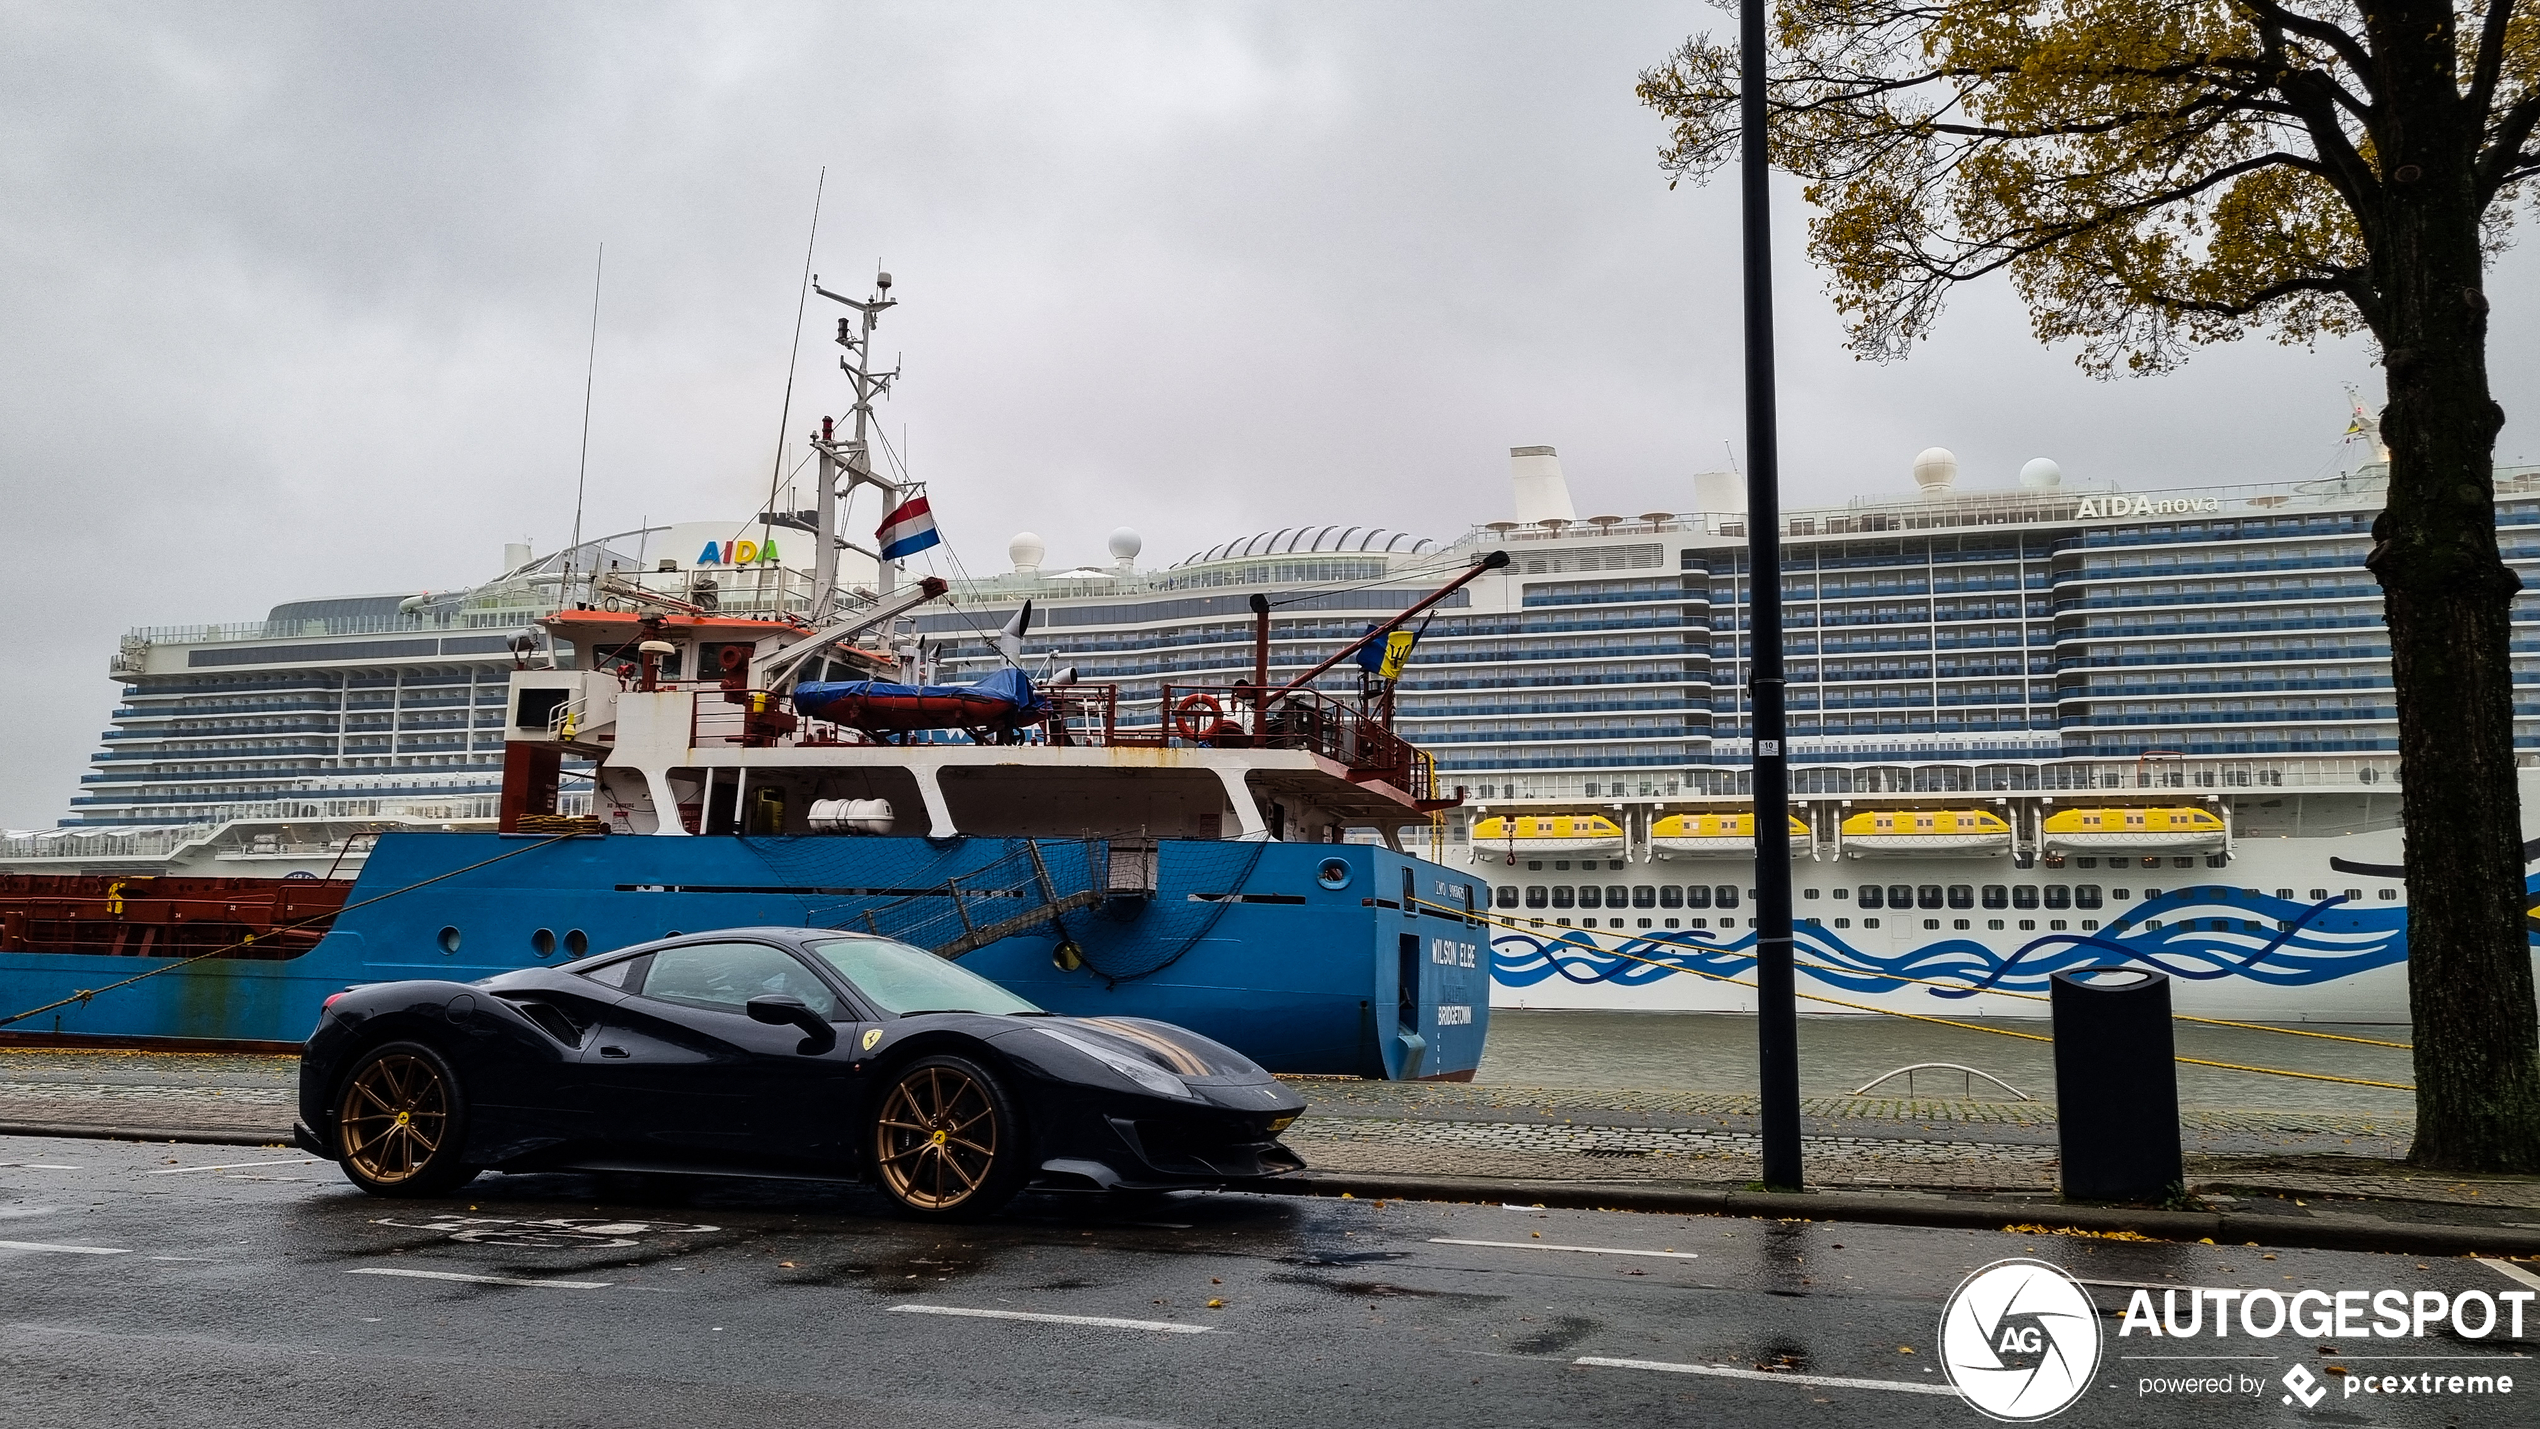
784	1052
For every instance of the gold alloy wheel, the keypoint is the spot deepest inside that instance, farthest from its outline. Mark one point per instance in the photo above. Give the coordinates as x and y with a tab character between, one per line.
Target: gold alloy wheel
396	1111
936	1140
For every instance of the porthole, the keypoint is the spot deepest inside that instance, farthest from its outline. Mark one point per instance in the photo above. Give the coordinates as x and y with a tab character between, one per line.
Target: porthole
1333	874
449	940
576	943
543	942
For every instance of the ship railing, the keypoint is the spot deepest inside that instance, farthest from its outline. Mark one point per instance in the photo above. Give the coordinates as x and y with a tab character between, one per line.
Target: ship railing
1082	714
1235	717
567	719
1194	716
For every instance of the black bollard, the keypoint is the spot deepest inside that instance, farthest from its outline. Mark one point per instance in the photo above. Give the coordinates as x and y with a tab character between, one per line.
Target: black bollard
2116	1085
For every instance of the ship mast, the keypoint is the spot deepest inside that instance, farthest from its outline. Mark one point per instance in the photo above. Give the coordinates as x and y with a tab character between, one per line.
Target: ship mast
852	457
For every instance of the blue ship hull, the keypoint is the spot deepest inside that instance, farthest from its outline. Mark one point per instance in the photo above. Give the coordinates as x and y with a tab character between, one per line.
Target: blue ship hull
1299	956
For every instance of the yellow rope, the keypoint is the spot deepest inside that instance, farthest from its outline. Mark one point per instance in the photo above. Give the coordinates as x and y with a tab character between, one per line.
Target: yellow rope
1481	917
2297	1032
2309	1076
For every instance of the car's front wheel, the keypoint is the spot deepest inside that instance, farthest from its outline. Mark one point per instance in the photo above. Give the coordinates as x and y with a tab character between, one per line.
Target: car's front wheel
401	1123
947	1143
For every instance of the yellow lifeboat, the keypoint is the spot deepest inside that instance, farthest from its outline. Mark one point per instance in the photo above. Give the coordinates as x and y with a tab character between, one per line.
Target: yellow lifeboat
2121	827
1729	834
1941	831
1538	835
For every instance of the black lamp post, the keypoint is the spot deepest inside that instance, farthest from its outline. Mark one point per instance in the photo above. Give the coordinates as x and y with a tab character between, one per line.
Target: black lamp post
1776	1005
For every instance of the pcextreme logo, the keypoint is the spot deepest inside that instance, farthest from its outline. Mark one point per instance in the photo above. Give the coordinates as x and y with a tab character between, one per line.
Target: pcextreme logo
2020	1340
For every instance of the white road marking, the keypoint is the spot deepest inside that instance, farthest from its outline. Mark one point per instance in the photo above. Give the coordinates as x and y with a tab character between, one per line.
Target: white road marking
1579	1249
231	1166
2511	1271
1823	1381
482	1279
63	1249
1106	1322
35	1166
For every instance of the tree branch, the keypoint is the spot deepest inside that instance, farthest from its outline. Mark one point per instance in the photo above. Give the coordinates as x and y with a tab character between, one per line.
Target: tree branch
2346	169
2338	283
2491	55
2348	48
2504	157
2001	253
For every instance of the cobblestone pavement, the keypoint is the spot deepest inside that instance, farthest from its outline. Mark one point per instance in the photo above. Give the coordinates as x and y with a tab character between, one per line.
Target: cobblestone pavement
162	1091
1451	1129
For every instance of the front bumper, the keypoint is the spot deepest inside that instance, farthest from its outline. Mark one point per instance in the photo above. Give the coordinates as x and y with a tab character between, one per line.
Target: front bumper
308	1141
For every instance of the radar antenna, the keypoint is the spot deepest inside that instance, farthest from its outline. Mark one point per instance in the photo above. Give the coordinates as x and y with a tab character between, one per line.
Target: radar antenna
851	458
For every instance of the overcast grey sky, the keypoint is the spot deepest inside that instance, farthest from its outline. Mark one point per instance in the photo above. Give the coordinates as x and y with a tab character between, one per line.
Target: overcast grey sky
295	296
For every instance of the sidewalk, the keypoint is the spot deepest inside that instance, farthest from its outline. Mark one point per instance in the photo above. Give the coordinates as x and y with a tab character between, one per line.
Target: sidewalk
1923	1161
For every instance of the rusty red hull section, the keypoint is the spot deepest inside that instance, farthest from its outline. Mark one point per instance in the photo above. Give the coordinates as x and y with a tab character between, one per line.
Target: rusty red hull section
270	918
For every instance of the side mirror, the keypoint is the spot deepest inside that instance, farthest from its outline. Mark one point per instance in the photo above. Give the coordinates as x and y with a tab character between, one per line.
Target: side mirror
778	1010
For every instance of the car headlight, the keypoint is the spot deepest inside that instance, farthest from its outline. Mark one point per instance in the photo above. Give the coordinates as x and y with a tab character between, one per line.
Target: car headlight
1145	1074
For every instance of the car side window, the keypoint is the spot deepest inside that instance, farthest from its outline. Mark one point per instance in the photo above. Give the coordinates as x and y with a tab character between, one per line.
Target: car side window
723	977
619	974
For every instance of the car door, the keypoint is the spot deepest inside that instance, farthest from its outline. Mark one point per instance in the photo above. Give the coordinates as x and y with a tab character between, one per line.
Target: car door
679	1073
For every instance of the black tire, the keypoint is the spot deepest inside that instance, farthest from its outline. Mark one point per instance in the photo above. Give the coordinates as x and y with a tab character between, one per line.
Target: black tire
947	1143
401	1123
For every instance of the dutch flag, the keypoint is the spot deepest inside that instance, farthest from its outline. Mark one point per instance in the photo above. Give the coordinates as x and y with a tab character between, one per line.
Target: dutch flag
909	528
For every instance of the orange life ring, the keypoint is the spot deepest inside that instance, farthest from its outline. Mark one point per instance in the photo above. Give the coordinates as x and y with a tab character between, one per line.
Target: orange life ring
1188	721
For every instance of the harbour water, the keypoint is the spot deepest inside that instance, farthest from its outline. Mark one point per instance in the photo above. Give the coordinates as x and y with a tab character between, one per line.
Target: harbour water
1694	1051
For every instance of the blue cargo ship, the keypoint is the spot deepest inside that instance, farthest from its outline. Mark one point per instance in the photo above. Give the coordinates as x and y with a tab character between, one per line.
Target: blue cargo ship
1195	870
1344	960
1206	862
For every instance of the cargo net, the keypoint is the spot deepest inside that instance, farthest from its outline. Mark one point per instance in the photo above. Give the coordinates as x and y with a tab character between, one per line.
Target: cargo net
1190	887
1123	909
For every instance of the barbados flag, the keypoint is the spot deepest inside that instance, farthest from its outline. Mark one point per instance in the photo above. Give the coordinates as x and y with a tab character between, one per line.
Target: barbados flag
909	528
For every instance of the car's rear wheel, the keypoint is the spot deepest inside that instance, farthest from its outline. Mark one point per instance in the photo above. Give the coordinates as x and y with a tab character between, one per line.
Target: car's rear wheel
401	1123
947	1143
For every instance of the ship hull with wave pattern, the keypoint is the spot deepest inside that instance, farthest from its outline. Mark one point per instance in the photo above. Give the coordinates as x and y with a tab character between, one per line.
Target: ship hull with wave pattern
2288	929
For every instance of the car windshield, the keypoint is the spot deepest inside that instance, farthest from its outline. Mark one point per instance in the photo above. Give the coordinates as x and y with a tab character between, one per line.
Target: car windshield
905	980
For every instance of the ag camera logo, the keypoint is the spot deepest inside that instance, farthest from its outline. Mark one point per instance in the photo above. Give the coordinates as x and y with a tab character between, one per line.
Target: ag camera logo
2020	1340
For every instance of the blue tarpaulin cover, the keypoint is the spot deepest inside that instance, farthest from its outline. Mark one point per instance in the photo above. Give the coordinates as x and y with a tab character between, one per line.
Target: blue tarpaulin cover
1001	699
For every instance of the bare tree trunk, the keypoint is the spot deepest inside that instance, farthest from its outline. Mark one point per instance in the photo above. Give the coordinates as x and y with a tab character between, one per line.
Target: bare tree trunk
2448	596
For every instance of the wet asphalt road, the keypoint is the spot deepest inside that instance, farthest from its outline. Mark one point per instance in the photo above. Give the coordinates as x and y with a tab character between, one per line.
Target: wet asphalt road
214	1285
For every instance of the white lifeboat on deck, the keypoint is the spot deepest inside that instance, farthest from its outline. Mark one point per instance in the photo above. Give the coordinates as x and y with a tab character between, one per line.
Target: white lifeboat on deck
2184	827
1976	832
1539	835
1728	834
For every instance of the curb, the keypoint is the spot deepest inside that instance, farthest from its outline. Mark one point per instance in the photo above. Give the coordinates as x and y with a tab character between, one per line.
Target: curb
2223	1228
90	1132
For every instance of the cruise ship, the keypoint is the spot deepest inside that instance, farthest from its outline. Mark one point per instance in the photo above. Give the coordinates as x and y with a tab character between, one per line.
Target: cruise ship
2035	726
